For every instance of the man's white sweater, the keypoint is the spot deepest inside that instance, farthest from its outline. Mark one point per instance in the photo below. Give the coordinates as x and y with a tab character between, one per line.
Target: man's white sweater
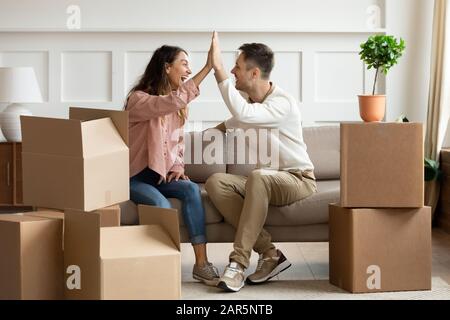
278	113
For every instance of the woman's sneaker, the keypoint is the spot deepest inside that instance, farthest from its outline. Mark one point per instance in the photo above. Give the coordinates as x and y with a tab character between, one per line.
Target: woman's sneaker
268	268
207	274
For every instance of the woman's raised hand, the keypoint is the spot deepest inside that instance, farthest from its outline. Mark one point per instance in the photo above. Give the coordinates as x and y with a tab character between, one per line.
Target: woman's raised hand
209	63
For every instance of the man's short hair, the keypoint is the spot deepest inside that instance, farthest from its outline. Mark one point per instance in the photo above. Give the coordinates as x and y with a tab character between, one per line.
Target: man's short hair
260	55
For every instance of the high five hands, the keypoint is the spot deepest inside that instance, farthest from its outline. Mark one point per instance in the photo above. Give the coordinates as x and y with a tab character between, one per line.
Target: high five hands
215	58
214	52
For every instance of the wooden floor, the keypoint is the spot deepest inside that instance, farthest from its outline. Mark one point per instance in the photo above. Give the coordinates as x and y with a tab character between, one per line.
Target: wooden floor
310	259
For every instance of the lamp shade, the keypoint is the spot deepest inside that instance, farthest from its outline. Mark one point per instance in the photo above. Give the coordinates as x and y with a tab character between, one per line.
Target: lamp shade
19	85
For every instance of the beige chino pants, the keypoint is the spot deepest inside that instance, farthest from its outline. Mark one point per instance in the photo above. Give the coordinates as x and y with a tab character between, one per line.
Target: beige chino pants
244	202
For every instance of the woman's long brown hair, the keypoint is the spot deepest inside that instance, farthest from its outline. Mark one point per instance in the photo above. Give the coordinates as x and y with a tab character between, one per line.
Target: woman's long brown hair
155	81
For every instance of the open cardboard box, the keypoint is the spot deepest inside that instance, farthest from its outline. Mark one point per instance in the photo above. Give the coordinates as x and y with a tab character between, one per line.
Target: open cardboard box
31	252
80	163
128	262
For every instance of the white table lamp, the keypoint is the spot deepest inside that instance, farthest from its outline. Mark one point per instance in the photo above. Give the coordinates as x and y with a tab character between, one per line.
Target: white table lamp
18	86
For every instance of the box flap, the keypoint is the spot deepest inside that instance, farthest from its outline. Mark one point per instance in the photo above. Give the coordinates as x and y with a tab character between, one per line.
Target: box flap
120	118
109	216
50	214
82	249
135	242
51	136
19	218
167	218
101	137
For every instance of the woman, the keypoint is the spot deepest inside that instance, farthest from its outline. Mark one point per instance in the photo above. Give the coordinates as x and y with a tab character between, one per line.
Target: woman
157	108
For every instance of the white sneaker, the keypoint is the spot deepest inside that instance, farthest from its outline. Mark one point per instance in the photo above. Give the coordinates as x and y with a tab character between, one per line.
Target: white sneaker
232	279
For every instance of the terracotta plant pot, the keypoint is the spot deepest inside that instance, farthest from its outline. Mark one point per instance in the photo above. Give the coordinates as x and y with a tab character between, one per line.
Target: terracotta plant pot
372	107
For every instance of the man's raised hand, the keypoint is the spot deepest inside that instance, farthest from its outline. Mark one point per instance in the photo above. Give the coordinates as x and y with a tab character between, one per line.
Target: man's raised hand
216	55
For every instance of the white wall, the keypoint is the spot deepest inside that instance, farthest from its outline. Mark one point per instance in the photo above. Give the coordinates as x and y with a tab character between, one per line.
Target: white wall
316	45
407	89
193	15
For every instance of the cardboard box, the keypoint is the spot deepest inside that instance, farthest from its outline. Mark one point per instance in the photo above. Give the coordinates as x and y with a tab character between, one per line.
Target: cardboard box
382	165
79	163
31	258
132	262
374	250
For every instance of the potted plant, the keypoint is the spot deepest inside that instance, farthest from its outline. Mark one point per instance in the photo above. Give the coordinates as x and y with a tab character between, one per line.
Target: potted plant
380	52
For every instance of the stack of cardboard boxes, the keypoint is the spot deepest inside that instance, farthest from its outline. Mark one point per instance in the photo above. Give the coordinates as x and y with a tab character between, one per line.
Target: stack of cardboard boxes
79	167
380	233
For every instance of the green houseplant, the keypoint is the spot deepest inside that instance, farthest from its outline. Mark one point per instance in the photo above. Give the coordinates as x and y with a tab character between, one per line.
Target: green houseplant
380	52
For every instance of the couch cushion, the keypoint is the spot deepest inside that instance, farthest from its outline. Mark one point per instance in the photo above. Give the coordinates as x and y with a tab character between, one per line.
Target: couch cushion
204	154
129	214
224	232
312	210
323	147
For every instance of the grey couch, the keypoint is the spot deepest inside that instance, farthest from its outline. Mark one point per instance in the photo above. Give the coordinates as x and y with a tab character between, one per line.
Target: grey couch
302	221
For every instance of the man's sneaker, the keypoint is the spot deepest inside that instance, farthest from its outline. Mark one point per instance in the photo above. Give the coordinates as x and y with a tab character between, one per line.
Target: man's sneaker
268	268
207	274
232	279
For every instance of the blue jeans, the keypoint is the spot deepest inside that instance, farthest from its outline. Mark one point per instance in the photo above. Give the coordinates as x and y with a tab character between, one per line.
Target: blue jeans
144	189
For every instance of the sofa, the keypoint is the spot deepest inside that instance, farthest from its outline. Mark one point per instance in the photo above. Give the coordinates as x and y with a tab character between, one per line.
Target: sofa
303	221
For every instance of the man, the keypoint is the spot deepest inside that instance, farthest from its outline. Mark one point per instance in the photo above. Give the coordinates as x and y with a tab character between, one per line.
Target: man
244	201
